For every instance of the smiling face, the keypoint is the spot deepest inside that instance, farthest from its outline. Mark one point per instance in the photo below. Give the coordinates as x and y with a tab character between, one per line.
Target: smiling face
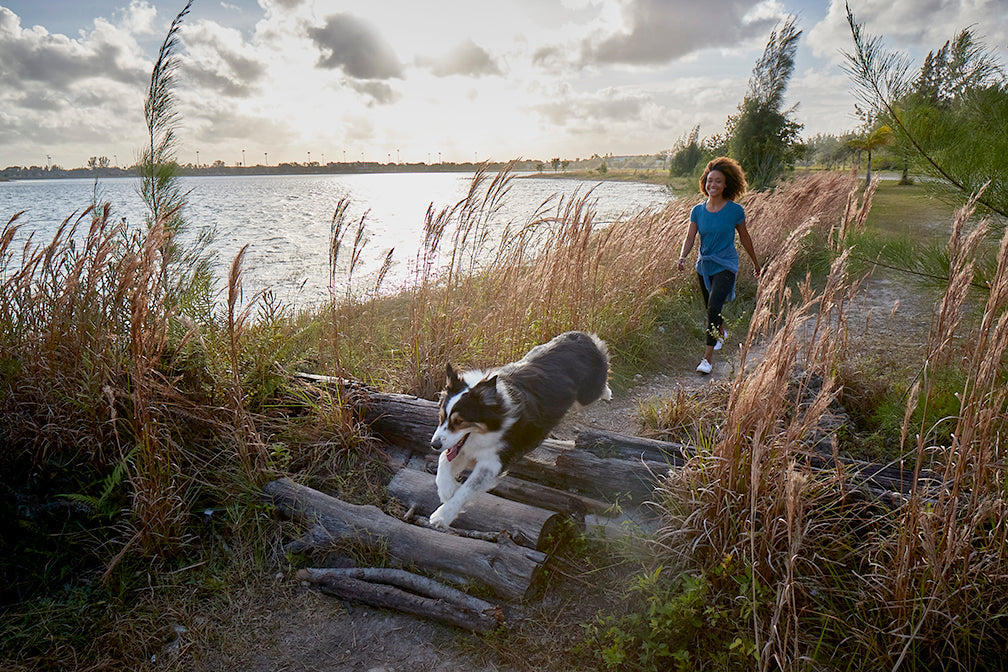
715	184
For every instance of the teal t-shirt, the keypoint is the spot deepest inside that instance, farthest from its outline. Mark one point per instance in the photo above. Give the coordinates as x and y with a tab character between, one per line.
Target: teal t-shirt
717	239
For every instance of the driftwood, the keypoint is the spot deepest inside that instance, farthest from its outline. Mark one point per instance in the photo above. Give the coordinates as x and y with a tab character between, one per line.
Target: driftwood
598	464
554	499
508	569
409	422
560	465
399	419
408	592
528	525
876	478
634	448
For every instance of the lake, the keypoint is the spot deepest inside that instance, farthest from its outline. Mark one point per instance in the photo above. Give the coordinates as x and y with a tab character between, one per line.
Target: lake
286	220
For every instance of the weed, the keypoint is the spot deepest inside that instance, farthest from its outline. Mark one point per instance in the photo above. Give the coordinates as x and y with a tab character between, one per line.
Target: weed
682	623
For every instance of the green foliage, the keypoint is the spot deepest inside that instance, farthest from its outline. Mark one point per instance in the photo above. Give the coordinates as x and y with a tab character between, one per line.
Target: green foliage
949	118
683	623
869	142
763	137
686	154
108	502
827	150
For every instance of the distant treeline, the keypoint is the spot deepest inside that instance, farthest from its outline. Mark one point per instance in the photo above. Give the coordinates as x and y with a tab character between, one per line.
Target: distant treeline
102	167
219	168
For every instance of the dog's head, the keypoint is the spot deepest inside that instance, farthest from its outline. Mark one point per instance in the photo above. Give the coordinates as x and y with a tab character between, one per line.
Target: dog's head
465	410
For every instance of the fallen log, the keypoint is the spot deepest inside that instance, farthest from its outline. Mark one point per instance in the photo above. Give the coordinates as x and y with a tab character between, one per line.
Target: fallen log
508	569
628	447
554	499
877	478
560	465
408	592
629	464
409	422
528	525
399	419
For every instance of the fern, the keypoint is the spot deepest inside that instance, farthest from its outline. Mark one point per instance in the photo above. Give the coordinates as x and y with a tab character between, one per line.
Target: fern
102	506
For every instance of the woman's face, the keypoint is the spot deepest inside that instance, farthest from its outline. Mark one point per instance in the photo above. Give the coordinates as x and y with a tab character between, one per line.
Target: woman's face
715	183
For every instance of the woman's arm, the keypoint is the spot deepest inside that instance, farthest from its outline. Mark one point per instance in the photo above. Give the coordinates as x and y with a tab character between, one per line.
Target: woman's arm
687	244
743	234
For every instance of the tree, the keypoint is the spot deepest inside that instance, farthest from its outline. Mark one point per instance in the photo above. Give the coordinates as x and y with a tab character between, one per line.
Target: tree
96	162
951	116
686	154
882	135
828	150
763	137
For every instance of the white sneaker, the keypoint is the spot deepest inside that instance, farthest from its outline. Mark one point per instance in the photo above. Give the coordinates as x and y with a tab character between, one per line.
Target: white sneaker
704	366
720	341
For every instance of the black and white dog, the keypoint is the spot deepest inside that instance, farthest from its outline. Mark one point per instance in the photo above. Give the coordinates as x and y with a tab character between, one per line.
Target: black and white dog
489	418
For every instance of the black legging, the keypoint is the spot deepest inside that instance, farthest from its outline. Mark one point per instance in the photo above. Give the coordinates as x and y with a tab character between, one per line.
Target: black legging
721	286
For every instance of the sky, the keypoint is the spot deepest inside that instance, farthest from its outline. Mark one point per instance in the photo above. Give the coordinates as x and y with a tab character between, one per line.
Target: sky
413	81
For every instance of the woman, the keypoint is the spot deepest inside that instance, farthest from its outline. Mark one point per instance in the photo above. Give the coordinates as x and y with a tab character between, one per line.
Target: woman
716	220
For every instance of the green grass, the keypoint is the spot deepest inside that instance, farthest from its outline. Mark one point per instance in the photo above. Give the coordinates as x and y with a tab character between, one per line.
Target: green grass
909	211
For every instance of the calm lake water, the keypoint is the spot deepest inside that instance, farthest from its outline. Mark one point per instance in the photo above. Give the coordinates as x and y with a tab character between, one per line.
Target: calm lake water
286	219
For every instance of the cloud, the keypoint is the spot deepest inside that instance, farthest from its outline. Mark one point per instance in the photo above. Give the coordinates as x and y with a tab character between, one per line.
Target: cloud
219	60
920	25
467	58
352	45
378	92
55	90
659	31
138	19
217	121
597	109
282	4
34	56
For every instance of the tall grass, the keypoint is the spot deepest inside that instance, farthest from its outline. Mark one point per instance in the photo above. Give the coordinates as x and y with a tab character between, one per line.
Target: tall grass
132	413
561	270
837	581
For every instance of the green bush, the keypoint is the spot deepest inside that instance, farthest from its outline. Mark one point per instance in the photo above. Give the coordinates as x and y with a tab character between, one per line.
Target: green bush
681	623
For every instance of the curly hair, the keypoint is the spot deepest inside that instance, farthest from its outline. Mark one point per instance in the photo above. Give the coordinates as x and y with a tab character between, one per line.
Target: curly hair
735	179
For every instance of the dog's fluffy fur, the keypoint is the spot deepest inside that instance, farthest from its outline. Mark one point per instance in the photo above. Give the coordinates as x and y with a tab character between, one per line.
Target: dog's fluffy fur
488	419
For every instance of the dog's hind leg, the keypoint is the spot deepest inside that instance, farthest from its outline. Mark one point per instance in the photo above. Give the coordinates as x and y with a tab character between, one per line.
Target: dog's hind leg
483	477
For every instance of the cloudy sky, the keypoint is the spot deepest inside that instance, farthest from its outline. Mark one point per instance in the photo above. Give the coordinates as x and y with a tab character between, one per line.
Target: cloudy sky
423	80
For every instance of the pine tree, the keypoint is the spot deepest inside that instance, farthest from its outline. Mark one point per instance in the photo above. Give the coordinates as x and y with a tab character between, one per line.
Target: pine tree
763	137
951	116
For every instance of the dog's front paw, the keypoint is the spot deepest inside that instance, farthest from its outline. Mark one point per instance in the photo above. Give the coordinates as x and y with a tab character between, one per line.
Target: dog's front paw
440	518
445	489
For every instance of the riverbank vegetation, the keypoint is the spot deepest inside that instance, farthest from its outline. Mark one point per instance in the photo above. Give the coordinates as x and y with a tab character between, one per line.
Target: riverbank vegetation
139	434
141	413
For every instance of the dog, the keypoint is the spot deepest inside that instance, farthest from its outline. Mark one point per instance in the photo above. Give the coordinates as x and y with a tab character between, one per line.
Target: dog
487	419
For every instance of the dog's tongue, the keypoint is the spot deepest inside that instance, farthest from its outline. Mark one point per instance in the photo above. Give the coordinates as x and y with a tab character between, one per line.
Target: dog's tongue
454	450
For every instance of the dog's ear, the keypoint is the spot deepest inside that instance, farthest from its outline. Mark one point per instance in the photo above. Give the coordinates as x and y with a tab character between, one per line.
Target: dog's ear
453	383
486	390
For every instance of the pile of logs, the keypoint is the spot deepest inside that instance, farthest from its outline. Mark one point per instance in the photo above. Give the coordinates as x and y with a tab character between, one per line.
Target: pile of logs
501	539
